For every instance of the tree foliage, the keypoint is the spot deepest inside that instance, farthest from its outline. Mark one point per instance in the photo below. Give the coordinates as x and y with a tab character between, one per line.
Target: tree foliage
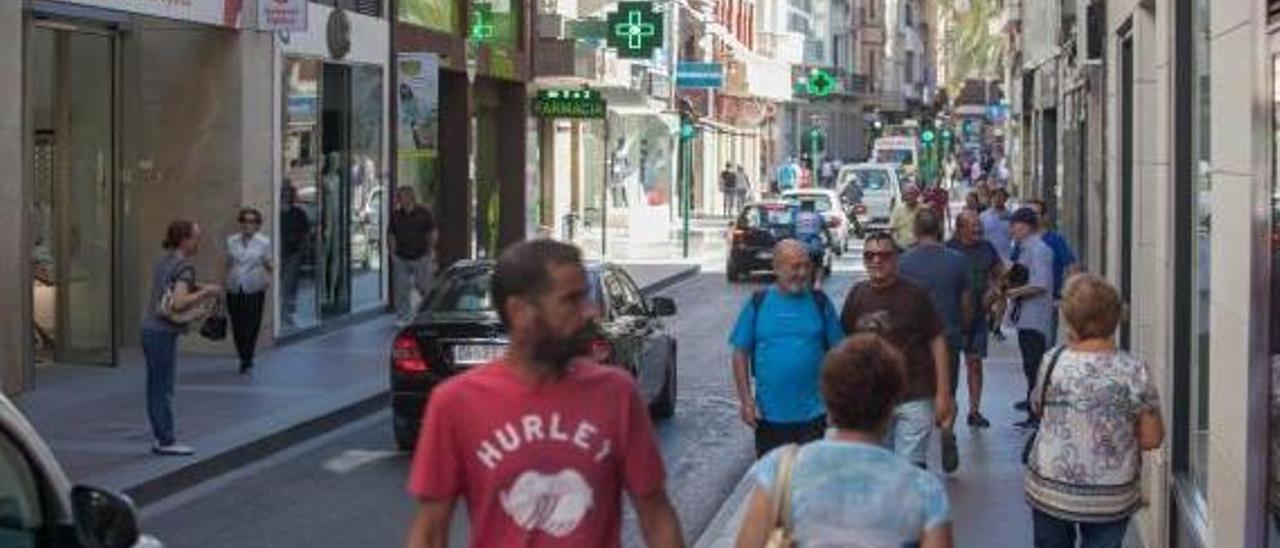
975	52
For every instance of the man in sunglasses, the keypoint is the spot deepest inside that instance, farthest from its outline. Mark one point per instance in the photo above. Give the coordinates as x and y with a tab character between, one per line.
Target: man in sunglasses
903	313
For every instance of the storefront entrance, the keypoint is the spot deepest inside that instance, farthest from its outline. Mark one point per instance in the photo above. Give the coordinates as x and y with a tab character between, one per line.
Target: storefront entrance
332	200
72	75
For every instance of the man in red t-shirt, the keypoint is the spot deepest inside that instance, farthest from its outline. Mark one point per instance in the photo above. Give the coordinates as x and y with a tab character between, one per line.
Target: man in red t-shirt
542	442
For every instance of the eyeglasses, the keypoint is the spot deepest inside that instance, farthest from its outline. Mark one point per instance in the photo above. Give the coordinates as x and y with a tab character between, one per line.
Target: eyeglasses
872	256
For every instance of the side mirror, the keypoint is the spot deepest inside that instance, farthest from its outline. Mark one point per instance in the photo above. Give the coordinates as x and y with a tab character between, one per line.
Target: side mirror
104	519
663	306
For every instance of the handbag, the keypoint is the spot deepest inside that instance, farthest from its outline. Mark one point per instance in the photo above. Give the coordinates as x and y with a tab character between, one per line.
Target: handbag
197	311
214	327
1044	390
780	537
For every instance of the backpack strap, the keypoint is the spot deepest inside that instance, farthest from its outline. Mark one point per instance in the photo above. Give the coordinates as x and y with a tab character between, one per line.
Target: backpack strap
822	301
757	301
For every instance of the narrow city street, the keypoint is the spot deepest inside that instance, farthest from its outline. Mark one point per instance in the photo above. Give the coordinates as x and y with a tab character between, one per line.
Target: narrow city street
348	488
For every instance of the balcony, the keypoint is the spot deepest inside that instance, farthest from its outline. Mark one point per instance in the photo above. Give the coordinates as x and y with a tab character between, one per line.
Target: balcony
787	47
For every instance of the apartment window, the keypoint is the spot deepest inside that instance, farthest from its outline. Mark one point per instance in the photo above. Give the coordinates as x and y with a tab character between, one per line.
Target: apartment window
907	18
910	71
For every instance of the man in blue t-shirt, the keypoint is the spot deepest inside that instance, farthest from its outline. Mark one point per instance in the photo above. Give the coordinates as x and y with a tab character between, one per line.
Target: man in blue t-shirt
1064	261
779	341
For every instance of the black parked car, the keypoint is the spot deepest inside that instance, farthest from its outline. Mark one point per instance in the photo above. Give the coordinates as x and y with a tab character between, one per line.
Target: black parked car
458	328
754	233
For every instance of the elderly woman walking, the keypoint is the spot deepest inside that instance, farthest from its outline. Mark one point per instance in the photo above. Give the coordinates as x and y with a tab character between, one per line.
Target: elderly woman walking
1099	410
847	489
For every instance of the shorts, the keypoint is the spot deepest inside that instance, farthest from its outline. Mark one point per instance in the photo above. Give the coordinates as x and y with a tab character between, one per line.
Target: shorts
910	429
976	339
772	435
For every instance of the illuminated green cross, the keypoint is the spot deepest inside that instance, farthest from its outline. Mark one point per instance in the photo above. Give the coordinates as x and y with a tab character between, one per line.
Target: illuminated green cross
481	22
821	83
635	30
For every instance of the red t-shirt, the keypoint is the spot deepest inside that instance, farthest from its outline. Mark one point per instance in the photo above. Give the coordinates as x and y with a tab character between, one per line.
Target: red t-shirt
538	465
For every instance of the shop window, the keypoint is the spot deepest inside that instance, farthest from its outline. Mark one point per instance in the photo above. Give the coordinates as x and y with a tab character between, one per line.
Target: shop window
333	195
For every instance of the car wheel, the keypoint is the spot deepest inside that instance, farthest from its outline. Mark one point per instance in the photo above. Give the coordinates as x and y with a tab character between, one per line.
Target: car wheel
665	406
406	434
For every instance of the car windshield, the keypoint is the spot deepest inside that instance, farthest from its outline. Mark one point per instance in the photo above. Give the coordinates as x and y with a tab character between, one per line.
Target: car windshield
467	290
769	215
872	180
893	156
822	202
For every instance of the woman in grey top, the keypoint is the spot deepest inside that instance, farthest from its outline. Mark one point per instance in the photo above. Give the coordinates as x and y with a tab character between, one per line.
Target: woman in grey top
160	336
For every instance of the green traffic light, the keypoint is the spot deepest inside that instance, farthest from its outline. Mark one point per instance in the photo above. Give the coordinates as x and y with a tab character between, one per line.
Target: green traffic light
927	136
686	130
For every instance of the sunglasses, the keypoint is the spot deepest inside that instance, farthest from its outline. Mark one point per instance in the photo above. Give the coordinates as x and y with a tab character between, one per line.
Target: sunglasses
871	256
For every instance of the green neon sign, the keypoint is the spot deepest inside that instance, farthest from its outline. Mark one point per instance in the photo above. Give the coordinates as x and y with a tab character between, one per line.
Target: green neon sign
820	83
569	103
481	22
635	30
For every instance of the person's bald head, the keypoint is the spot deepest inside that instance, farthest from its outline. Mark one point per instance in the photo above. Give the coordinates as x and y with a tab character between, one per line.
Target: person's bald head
792	266
968	226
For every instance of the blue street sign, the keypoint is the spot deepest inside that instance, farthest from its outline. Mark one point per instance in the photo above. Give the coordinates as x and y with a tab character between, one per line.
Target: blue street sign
699	75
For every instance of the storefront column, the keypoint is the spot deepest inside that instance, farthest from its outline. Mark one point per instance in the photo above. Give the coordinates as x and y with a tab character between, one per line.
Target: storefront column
15	263
511	170
453	208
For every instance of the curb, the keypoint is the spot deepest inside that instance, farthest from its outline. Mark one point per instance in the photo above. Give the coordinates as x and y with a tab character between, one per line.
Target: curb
723	528
230	450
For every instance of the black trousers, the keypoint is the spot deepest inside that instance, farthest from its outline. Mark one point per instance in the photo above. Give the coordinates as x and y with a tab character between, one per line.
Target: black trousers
245	312
772	435
1033	345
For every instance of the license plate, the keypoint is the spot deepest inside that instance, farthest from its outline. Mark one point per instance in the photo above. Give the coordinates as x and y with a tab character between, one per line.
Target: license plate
765	255
476	353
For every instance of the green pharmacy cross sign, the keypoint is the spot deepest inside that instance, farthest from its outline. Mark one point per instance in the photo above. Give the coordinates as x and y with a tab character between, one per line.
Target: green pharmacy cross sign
481	22
635	29
821	83
569	103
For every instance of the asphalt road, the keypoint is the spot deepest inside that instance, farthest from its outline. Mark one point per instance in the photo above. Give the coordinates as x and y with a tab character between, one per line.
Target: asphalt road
347	489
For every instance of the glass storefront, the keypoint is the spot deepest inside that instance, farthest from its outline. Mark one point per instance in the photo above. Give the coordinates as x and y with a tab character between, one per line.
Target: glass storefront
74	147
1197	429
1273	339
332	200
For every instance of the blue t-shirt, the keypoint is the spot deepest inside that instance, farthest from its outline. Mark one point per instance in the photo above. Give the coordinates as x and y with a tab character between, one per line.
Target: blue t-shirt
787	345
1063	257
846	493
944	273
1036	313
995	228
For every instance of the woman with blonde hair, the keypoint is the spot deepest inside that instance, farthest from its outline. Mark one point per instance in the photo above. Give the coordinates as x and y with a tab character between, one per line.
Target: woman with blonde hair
1098	410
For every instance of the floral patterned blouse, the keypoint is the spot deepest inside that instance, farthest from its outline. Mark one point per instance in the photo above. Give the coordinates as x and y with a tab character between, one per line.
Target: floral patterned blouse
1085	462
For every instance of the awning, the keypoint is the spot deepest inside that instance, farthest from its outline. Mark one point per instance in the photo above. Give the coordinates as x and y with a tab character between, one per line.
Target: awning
671	120
766	78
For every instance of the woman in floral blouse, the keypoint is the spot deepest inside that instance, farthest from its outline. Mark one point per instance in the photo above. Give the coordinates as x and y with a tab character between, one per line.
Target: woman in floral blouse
1099	411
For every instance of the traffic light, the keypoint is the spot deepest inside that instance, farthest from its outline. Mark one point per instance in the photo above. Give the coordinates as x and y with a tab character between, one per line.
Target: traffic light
817	140
688	127
687	131
927	136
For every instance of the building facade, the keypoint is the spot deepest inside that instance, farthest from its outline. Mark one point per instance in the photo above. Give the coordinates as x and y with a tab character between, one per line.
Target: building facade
121	117
1158	125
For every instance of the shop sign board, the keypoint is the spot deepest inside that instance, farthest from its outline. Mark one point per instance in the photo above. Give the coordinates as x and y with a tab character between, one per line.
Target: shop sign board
699	75
223	13
289	15
569	103
635	29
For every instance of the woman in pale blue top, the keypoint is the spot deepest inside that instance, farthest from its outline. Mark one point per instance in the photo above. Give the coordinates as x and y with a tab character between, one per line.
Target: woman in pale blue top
847	490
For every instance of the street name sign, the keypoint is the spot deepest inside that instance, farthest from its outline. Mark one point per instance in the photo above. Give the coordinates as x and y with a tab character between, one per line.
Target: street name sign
691	75
569	103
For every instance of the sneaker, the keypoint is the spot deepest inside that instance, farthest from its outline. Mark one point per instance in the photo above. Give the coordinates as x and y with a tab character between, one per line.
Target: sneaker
246	367
172	449
950	454
1028	423
976	420
1021	406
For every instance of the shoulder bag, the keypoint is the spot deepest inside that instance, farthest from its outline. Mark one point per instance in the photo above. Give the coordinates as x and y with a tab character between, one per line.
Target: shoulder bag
1044	391
781	536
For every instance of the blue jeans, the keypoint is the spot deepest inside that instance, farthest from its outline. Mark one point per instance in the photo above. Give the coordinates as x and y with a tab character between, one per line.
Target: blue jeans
1051	532
160	349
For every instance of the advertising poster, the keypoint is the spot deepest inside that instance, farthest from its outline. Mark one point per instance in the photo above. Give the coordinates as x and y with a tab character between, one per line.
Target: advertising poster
437	15
290	15
418	122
